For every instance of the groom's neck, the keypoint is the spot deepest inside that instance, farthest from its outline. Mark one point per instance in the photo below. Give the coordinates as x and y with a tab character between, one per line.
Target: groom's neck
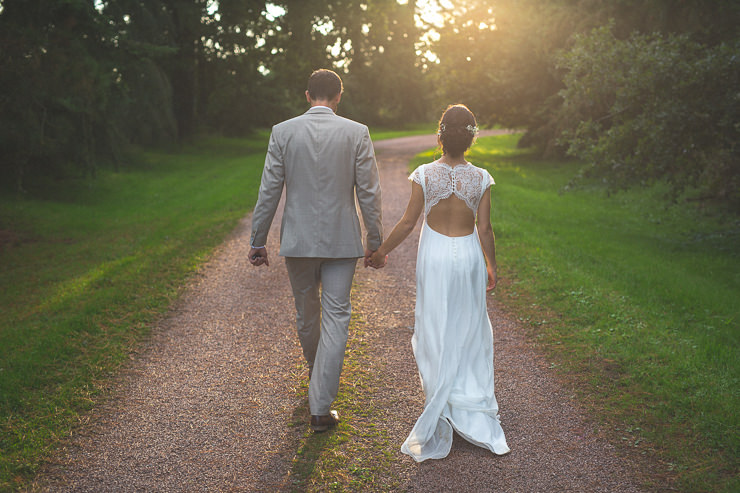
327	104
332	103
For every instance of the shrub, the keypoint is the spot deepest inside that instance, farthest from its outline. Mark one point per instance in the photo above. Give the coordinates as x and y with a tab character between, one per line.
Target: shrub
654	107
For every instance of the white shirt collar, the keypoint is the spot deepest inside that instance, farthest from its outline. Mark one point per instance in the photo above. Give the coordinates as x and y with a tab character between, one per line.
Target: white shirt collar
322	106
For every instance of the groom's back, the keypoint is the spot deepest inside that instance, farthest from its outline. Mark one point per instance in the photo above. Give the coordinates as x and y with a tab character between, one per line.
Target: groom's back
319	151
320	154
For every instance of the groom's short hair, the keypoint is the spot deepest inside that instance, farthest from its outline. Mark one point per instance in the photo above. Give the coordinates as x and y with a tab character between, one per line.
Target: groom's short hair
324	85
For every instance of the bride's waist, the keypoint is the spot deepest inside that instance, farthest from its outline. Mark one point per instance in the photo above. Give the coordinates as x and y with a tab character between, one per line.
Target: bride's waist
459	237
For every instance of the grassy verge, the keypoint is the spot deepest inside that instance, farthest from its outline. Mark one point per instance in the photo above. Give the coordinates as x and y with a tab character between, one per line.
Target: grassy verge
636	301
88	266
357	455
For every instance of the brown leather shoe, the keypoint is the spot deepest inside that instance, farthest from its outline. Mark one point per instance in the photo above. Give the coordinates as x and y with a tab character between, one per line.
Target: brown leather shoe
323	423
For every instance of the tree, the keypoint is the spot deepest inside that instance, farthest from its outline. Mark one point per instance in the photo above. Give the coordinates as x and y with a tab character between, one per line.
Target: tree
81	80
371	45
497	57
235	94
654	107
141	46
54	88
384	76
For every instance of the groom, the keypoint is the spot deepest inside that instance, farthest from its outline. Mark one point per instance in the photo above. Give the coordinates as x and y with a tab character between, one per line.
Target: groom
324	161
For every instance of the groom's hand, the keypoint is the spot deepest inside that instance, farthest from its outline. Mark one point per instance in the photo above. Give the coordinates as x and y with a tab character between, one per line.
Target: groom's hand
368	254
258	256
375	260
372	260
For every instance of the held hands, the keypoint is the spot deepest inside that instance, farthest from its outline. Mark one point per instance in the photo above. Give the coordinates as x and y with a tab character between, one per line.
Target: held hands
374	259
258	256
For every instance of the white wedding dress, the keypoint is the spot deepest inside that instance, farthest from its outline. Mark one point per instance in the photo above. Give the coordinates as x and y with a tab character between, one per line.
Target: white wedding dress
453	338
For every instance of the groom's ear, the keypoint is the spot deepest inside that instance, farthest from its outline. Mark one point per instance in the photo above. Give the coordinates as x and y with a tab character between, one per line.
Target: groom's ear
308	98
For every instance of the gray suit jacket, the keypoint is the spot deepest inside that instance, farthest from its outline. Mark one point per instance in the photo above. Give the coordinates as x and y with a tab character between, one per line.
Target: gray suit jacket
324	161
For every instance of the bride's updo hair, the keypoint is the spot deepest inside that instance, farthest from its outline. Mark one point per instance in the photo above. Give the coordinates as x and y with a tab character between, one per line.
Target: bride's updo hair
457	128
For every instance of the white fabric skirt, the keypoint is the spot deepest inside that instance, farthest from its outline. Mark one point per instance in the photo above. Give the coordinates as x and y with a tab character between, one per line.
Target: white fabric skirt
453	347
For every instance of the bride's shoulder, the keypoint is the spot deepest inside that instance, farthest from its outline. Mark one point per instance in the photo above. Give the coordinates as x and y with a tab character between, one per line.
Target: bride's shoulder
429	165
417	174
484	174
423	167
419	169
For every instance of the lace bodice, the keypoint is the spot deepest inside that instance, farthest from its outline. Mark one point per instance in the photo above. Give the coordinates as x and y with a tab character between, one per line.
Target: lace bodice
439	181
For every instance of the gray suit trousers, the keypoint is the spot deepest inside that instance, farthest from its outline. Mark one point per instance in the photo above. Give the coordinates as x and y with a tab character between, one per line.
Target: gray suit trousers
322	320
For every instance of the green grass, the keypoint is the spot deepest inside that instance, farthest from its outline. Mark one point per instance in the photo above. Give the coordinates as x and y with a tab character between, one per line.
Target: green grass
635	300
415	129
87	268
357	455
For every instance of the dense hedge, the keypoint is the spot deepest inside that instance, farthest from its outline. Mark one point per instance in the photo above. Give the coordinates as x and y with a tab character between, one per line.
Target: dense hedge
654	107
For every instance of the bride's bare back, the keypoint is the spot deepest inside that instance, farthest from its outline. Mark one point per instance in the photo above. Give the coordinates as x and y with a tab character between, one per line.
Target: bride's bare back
451	217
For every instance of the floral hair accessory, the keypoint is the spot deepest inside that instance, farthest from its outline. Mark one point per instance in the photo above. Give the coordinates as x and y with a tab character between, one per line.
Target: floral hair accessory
473	129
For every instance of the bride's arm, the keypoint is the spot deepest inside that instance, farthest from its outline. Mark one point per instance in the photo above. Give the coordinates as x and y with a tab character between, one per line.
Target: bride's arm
487	239
403	227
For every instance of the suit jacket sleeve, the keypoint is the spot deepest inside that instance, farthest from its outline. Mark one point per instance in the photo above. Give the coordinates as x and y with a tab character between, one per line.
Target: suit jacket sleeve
367	188
271	188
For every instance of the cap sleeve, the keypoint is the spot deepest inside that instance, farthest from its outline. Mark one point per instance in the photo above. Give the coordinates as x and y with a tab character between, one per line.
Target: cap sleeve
487	179
417	176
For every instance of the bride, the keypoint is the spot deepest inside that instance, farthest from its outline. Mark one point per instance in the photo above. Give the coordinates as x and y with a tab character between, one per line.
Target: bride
453	338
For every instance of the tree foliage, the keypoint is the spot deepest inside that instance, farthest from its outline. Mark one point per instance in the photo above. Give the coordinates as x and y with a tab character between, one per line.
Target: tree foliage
81	80
371	44
53	87
497	57
654	107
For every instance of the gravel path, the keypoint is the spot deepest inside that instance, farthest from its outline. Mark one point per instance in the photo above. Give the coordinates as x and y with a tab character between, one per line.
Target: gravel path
206	405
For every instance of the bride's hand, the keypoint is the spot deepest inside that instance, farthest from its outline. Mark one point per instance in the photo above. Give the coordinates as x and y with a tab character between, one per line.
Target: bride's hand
492	279
378	260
